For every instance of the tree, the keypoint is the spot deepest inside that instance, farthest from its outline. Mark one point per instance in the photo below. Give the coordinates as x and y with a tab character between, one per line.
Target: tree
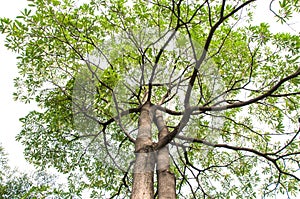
39	184
191	89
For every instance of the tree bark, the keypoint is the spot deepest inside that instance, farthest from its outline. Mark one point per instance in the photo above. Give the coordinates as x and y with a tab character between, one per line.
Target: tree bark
143	186
166	179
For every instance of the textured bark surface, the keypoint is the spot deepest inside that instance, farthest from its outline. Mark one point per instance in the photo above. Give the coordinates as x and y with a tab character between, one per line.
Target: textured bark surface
166	185
166	179
143	187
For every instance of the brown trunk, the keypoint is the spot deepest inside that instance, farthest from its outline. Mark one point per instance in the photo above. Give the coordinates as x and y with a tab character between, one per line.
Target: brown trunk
166	179
145	160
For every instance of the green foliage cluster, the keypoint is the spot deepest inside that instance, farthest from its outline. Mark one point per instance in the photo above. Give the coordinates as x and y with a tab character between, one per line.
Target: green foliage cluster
39	184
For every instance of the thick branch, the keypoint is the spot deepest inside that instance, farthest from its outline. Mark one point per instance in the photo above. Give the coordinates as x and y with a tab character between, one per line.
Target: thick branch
235	148
251	101
166	179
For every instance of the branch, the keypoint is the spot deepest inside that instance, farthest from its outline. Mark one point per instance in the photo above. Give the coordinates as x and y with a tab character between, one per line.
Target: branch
235	148
251	101
206	47
284	94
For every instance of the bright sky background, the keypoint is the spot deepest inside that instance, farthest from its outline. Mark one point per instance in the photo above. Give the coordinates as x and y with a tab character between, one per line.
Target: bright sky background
11	111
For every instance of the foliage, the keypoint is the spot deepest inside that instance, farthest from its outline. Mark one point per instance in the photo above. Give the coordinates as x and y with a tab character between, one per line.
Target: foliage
228	90
39	184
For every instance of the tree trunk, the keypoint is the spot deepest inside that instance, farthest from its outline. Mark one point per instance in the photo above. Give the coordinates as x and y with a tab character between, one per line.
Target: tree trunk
143	187
166	179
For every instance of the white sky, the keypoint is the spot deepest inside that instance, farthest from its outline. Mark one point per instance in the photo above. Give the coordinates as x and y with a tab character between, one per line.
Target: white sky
11	111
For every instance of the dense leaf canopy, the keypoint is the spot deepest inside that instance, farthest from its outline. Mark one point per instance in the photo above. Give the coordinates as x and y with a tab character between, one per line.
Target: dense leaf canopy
228	89
38	184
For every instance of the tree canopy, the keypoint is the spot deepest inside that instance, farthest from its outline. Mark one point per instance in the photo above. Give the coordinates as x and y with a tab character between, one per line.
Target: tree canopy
38	184
227	89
